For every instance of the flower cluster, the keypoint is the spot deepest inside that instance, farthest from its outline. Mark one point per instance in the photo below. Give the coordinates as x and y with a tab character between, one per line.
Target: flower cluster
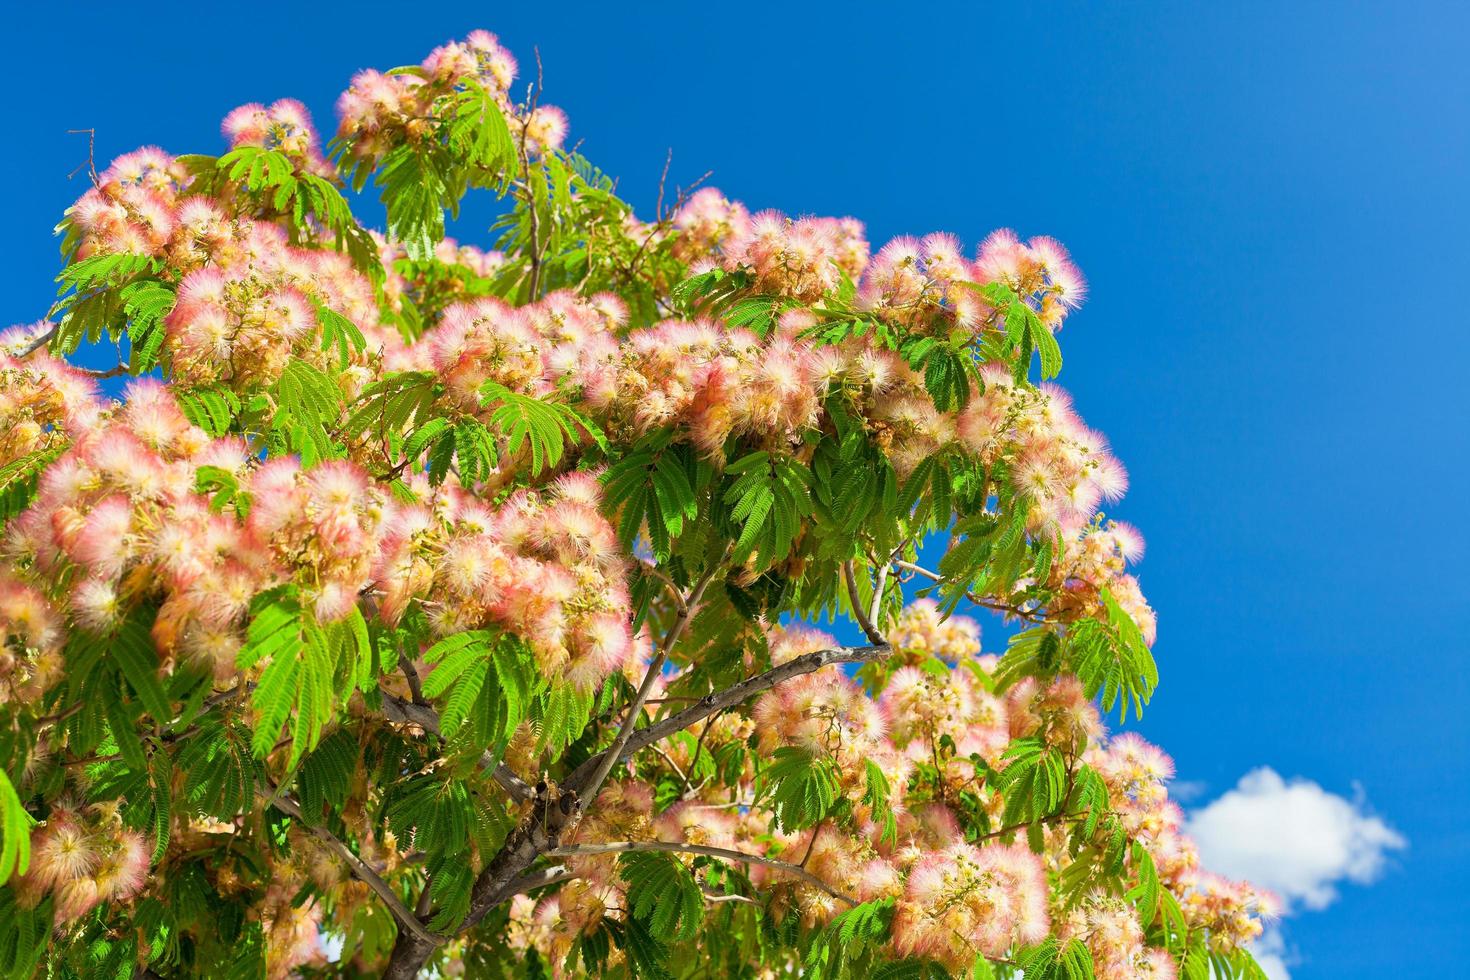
117	517
1041	270
545	566
284	126
921	631
31	637
967	899
44	404
134	209
916	281
1110	928
84	856
379	111
706	222
241	318
803	258
121	508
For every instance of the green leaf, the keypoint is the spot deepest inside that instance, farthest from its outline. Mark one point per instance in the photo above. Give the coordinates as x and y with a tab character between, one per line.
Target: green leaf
486	681
297	683
545	427
160	783
840	947
799	788
132	649
662	894
15	829
20	477
1145	894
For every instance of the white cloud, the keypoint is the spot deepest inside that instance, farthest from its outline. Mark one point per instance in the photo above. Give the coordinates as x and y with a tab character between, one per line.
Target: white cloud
1294	838
1272	956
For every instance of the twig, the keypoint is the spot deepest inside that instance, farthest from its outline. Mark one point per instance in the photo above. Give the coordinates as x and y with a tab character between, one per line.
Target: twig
694	758
629	846
1030	615
683	776
614	752
359	868
38	342
731	696
663	179
714	898
540	879
533	99
113	372
91	163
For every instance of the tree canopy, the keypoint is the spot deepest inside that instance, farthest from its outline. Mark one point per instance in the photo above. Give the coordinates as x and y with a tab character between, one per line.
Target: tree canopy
456	609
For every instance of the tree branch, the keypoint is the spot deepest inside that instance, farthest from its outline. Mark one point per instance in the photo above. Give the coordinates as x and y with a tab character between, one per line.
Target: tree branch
628	846
36	343
359	868
540	879
731	696
869	630
615	752
396	709
1030	615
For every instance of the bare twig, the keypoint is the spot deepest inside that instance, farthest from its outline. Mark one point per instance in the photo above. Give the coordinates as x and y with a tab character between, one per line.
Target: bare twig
91	163
1030	615
663	180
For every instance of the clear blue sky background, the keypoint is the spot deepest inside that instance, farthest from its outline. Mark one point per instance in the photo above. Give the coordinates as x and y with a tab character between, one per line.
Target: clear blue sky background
1270	201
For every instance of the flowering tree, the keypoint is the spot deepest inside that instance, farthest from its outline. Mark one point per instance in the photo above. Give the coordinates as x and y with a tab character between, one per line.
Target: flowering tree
448	603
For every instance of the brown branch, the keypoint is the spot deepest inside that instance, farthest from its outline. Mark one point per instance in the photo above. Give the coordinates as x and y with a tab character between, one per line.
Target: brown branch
113	372
398	710
359	868
1030	615
869	630
629	846
506	873
614	753
37	342
731	696
540	879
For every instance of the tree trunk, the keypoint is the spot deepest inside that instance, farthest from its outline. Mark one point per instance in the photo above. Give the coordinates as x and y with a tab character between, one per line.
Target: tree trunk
409	954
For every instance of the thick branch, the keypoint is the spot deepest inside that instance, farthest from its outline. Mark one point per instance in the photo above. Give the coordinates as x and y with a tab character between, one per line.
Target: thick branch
507	872
540	879
627	846
367	875
36	343
396	709
869	630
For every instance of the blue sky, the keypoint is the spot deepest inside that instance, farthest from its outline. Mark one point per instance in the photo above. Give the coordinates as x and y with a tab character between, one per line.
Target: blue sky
1269	200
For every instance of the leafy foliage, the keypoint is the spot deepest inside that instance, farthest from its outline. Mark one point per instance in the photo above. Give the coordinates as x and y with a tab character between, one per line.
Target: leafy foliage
396	694
662	894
